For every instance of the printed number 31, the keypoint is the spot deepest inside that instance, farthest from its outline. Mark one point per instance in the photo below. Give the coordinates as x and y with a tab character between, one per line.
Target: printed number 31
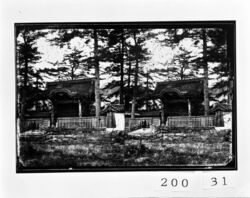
214	181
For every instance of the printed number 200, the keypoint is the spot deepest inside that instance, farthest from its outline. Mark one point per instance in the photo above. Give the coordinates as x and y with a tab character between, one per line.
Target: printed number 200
174	182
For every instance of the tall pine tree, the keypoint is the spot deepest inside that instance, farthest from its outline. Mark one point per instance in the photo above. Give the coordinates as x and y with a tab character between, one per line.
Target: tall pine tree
28	78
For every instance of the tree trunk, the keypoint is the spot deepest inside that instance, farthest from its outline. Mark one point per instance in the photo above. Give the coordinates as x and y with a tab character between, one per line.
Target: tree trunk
26	62
182	73
229	44
136	79
53	103
22	111
97	77
127	96
121	71
23	95
72	74
147	92
23	91
205	68
133	107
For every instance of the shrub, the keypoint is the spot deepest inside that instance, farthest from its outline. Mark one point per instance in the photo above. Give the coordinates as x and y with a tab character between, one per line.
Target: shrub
227	136
136	150
120	137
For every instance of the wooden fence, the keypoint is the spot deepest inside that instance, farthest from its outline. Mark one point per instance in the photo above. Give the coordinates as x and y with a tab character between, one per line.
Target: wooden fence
91	122
133	123
190	121
35	123
83	122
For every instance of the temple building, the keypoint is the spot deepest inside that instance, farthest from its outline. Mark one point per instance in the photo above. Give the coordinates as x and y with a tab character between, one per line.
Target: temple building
71	98
72	103
181	97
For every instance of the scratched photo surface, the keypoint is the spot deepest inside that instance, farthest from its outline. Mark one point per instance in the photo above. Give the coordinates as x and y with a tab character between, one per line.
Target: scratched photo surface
125	96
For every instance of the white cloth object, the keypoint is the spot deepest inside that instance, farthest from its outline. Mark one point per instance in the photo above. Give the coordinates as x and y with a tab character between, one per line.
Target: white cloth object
119	121
227	120
227	117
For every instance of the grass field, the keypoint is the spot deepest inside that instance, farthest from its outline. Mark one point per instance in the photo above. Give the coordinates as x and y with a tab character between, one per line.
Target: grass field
79	149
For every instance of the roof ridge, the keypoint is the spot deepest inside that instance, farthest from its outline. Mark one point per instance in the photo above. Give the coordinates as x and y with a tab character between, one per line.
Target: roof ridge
183	80
71	81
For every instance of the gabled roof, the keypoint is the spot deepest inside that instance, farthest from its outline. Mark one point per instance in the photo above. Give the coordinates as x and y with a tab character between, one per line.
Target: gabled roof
220	107
114	108
80	87
182	88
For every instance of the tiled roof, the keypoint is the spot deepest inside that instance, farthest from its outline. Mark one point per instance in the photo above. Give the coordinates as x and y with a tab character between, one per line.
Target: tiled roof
80	87
187	87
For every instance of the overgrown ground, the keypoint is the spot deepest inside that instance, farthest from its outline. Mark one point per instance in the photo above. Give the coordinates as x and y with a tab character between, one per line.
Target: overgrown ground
78	149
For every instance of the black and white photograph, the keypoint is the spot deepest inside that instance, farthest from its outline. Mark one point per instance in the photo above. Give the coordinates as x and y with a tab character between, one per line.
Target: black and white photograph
124	99
125	96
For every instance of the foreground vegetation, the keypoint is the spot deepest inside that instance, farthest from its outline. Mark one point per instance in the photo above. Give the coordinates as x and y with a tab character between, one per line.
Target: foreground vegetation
78	149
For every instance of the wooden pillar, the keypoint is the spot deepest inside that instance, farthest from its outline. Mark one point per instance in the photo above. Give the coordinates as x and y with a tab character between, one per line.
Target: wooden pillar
162	114
189	108
53	116
79	108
